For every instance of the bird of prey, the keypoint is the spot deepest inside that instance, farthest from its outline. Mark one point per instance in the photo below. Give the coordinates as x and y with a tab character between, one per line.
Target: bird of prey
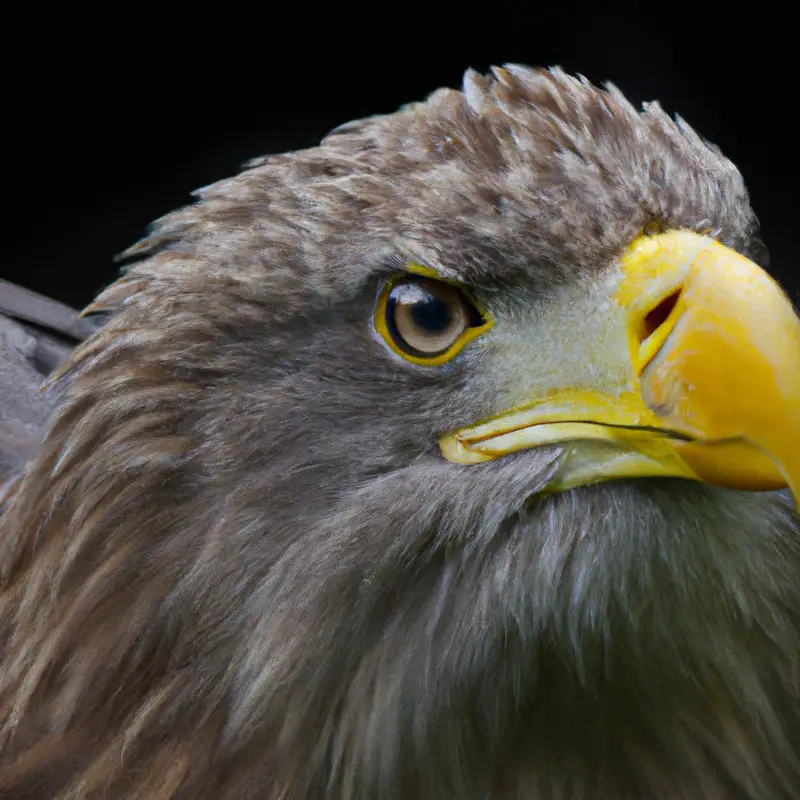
455	458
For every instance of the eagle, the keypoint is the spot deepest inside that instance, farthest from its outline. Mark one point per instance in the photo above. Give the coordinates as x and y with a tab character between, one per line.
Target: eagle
455	458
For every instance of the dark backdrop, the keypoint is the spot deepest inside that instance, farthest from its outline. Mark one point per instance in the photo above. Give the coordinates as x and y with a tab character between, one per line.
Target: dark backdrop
114	120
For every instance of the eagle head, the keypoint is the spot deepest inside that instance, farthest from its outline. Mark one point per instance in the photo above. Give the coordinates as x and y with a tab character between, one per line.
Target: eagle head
452	458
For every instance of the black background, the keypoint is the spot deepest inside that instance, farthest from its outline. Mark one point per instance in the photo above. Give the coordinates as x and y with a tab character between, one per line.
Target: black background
116	116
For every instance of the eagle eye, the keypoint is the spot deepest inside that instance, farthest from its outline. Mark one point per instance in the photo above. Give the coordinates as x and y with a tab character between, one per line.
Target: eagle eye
427	321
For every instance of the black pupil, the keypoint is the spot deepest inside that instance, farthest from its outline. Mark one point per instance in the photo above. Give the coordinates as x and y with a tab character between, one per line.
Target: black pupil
431	313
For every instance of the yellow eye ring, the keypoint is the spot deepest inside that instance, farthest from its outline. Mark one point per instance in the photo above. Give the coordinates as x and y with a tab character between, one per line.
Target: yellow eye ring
425	320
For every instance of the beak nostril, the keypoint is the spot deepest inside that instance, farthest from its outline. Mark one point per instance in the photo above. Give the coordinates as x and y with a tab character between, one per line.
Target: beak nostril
659	315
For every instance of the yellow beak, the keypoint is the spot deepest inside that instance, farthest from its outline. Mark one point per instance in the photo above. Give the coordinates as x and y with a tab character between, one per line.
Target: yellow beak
713	379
